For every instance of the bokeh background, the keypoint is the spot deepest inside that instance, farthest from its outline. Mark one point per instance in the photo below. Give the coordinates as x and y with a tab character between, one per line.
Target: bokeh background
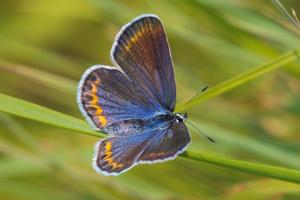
45	46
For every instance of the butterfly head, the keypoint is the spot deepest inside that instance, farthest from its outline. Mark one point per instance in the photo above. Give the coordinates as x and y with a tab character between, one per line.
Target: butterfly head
181	117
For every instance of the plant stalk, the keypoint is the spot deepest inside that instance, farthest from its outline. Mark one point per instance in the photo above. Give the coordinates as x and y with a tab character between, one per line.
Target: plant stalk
240	79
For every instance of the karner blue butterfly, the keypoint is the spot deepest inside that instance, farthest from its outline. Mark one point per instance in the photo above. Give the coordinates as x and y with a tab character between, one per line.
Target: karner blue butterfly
133	102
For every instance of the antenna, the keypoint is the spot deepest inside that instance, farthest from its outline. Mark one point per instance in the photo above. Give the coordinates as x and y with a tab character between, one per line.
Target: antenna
202	90
199	130
294	20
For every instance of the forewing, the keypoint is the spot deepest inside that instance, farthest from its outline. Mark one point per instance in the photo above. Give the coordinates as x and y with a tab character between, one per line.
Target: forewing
167	144
106	95
142	51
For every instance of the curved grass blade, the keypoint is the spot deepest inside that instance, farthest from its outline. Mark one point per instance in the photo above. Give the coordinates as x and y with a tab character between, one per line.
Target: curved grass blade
251	145
240	79
280	173
39	113
45	115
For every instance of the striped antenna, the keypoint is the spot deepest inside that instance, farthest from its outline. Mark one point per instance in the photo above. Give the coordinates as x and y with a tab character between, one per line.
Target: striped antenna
293	19
200	131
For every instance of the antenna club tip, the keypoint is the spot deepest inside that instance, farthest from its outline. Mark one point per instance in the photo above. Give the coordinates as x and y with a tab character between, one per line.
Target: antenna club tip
195	127
212	140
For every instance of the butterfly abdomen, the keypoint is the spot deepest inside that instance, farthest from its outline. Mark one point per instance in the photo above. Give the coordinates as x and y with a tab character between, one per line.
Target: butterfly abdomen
126	127
136	126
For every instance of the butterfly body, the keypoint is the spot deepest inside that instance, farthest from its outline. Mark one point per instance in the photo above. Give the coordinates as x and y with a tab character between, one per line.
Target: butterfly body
135	126
133	102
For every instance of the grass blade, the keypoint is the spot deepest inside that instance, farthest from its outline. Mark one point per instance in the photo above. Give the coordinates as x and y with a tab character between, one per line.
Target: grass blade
240	79
280	173
45	115
38	113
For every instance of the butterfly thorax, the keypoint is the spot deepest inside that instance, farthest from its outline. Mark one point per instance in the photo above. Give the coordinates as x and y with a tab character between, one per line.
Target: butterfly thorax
160	121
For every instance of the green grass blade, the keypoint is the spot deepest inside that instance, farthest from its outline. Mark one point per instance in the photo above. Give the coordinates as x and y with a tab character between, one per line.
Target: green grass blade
38	113
45	115
240	79
252	168
252	145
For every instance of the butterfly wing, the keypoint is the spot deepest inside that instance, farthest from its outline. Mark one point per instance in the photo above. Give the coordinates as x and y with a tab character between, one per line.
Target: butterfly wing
142	51
118	154
139	88
106	96
167	144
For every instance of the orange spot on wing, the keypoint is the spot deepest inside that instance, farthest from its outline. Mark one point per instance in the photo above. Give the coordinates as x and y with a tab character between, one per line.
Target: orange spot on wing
127	47
139	33
94	89
99	110
95	99
102	120
156	154
108	158
107	146
95	103
116	165
133	40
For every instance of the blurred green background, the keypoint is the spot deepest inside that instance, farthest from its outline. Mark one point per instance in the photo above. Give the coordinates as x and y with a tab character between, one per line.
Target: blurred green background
45	46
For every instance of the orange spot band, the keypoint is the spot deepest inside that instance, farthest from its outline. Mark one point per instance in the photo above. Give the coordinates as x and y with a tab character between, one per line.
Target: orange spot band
108	158
94	103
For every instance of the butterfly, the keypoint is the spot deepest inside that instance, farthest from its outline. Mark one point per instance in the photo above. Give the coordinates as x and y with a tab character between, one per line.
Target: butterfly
134	100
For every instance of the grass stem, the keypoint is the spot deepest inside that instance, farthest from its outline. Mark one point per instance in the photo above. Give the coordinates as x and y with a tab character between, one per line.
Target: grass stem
240	79
45	115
